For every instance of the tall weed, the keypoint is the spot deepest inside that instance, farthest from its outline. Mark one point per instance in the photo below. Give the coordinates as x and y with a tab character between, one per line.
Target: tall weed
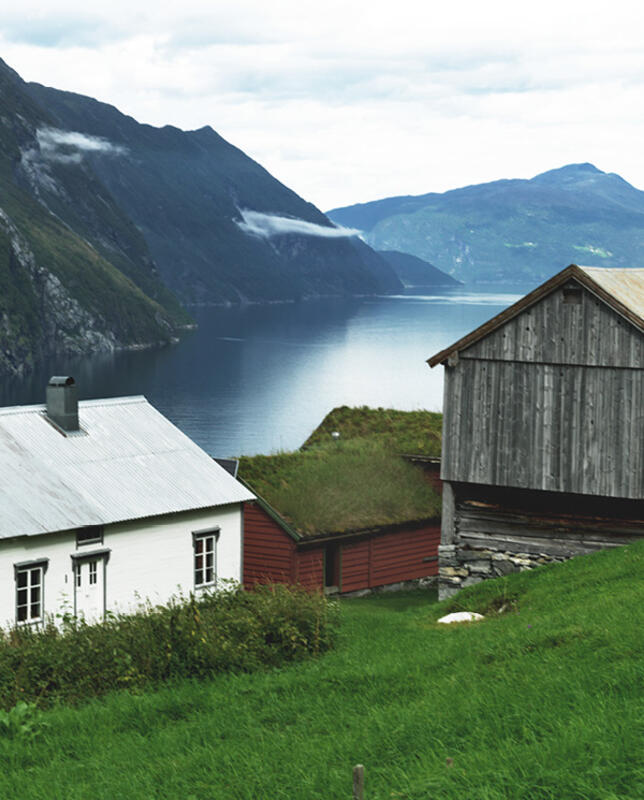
189	637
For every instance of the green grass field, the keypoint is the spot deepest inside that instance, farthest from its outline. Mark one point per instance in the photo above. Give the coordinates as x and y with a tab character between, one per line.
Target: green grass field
541	701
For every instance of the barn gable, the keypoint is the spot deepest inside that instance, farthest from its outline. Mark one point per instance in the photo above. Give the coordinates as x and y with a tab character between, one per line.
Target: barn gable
570	325
621	290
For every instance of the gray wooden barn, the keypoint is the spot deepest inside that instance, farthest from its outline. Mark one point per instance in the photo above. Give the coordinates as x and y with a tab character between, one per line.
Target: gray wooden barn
543	428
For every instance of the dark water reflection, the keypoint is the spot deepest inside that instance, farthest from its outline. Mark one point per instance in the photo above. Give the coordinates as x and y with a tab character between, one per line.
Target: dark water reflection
260	378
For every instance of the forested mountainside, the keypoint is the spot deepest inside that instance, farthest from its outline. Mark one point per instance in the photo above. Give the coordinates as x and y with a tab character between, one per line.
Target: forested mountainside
190	194
512	230
108	226
75	274
414	271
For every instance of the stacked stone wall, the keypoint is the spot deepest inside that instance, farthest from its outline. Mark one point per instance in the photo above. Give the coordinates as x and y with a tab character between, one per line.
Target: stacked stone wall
462	566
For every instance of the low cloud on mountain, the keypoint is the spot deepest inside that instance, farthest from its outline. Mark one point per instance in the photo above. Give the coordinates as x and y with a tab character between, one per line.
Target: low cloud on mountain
257	223
70	146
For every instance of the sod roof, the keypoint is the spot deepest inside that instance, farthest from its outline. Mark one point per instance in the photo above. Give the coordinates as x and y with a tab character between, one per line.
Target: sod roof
355	482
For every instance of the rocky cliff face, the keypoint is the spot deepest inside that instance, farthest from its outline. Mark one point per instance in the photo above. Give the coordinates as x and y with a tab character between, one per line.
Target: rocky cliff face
50	321
75	274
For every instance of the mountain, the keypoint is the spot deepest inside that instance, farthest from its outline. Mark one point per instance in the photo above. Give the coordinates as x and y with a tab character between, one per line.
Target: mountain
75	274
108	226
413	271
511	230
189	194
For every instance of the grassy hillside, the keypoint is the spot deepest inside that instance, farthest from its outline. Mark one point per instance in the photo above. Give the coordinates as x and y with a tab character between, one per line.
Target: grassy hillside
542	702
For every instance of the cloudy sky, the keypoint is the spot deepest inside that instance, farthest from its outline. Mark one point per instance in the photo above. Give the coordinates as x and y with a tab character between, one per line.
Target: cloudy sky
351	101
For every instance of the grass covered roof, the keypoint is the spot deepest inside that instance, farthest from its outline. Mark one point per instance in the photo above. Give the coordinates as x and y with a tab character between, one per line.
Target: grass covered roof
358	481
412	432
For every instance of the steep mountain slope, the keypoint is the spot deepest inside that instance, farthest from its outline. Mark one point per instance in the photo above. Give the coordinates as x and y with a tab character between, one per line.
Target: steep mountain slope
413	271
187	193
512	229
58	291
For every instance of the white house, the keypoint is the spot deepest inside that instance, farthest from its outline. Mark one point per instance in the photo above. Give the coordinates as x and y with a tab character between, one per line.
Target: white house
105	504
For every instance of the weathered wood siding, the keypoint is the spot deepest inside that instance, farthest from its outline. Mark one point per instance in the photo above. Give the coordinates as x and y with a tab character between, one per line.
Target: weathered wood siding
554	332
554	400
269	552
510	521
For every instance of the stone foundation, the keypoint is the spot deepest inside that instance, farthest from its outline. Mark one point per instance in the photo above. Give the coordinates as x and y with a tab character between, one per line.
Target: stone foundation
461	566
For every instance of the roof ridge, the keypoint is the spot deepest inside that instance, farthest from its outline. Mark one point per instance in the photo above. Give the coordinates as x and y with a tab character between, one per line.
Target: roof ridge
103	401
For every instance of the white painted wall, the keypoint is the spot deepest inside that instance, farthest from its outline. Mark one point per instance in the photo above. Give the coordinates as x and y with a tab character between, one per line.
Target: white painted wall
150	560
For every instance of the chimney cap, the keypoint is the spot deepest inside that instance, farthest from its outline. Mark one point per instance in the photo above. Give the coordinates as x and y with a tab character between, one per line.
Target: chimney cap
61	380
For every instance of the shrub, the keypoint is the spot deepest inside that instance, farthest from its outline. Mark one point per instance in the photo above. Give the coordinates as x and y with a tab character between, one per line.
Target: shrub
190	637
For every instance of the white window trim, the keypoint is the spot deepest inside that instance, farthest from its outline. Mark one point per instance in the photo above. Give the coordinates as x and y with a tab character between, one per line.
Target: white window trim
26	567
203	536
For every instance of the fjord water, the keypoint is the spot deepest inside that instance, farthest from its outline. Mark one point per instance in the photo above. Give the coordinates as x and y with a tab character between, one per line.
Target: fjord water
260	378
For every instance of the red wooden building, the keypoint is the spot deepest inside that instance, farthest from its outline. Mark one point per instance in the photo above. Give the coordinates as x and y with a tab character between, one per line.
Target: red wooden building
347	562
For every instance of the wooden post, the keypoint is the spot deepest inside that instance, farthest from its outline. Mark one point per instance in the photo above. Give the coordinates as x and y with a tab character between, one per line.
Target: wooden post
358	782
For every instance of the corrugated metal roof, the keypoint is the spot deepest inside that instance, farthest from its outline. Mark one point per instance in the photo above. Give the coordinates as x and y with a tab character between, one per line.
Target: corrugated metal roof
622	289
625	285
127	462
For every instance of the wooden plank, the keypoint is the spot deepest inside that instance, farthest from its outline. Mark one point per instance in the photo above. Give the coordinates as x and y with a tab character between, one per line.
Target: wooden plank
567	429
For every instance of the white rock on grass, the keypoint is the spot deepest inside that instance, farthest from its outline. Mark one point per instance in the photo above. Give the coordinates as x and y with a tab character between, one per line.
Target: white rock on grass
461	616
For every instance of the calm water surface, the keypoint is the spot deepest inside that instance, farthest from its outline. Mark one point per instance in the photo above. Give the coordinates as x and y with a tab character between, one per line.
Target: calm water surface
259	379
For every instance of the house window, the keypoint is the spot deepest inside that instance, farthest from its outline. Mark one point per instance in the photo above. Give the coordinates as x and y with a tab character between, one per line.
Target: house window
93	571
205	557
77	572
91	534
30	585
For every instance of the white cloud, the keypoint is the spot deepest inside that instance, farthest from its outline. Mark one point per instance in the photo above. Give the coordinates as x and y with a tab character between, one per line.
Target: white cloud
347	102
69	146
257	223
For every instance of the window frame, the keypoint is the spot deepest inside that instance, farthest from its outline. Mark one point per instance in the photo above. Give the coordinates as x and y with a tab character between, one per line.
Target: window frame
200	537
96	538
26	567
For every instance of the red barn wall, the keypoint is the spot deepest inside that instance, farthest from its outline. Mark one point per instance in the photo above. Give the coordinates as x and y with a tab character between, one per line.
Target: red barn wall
270	555
310	567
269	552
354	565
400	555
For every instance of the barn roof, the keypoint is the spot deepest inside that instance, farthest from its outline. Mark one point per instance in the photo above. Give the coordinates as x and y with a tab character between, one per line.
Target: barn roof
621	289
126	462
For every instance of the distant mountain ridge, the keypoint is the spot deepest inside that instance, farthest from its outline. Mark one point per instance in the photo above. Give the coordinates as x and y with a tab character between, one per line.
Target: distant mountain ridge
510	230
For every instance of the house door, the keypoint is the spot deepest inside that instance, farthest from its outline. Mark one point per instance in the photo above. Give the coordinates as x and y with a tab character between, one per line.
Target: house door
89	589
